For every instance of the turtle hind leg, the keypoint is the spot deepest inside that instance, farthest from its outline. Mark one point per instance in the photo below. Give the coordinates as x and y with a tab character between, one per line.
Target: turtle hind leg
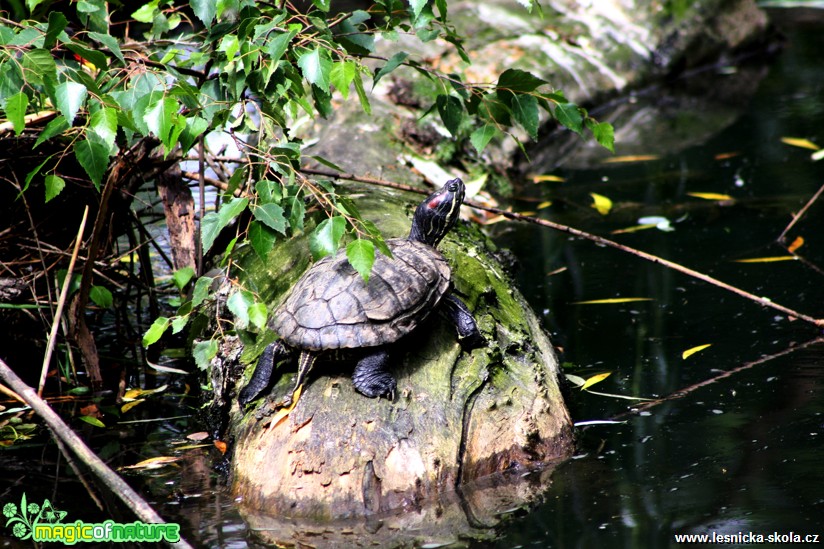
468	334
272	354
371	378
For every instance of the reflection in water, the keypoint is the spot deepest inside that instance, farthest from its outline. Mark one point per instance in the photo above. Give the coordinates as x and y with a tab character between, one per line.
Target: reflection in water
738	453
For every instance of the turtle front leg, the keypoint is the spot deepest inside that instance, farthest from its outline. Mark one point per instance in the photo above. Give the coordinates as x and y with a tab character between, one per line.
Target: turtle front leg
468	334
272	354
371	378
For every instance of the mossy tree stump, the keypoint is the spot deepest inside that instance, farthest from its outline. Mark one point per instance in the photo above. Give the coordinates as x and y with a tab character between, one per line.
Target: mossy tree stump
457	417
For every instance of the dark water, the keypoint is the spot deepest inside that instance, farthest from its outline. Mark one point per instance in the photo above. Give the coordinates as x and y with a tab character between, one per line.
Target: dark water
740	450
740	453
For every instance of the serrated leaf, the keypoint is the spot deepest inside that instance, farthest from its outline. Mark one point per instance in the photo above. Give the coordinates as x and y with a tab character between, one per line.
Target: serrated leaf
203	353
601	203
55	127
276	46
201	290
364	99
516	80
322	5
316	65
342	75
92	421
161	120
258	315
57	22
94	157
146	12
16	106
178	323
481	137
262	239
525	111
104	124
417	6
603	132
390	65
110	42
101	296
595	379
39	66
569	115
214	222
182	276
271	215
689	352
325	239
361	255
239	303
54	185
69	97
451	110
155	331
205	10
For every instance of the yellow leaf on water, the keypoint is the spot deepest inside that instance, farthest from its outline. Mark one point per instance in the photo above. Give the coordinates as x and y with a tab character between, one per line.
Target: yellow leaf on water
527	214
129	405
543	205
767	259
152	463
725	156
631	158
800	142
547	177
712	196
601	203
611	300
797	243
635	228
595	379
689	352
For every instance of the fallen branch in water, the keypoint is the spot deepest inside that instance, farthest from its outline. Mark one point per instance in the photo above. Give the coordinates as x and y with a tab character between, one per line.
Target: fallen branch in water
63	432
766	302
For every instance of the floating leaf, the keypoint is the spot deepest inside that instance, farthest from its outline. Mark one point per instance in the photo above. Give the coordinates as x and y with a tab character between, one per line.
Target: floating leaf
818	155
772	259
545	204
601	203
611	300
800	142
797	243
631	158
547	177
153	463
689	352
595	379
725	156
712	196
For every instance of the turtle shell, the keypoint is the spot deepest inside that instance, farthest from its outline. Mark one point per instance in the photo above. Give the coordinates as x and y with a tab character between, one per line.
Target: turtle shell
331	307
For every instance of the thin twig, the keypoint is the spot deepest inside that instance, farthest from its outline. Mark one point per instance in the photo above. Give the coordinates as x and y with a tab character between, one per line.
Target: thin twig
61	302
109	478
766	302
800	214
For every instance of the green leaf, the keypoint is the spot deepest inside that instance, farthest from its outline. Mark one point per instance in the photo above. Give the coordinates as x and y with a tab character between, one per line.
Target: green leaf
239	303
322	5
104	124
214	222
390	65
417	6
54	185
92	421
271	215
603	132
481	136
110	42
341	76
178	323
55	127
69	97
569	114
57	23
195	126
316	66
276	47
155	331
205	10
39	66
525	111
201	290
361	255
262	239
326	237
258	315
297	212
451	110
146	13
94	157
203	353
16	106
364	99
161	119
182	276
101	296
516	80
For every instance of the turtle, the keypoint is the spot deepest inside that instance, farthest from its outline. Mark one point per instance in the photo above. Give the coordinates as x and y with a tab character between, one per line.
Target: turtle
331	308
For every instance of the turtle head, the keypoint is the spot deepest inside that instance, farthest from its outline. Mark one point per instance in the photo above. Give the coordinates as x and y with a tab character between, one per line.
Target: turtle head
438	213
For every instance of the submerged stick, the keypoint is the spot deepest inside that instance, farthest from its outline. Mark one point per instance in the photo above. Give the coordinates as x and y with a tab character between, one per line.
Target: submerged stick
764	301
117	485
61	302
